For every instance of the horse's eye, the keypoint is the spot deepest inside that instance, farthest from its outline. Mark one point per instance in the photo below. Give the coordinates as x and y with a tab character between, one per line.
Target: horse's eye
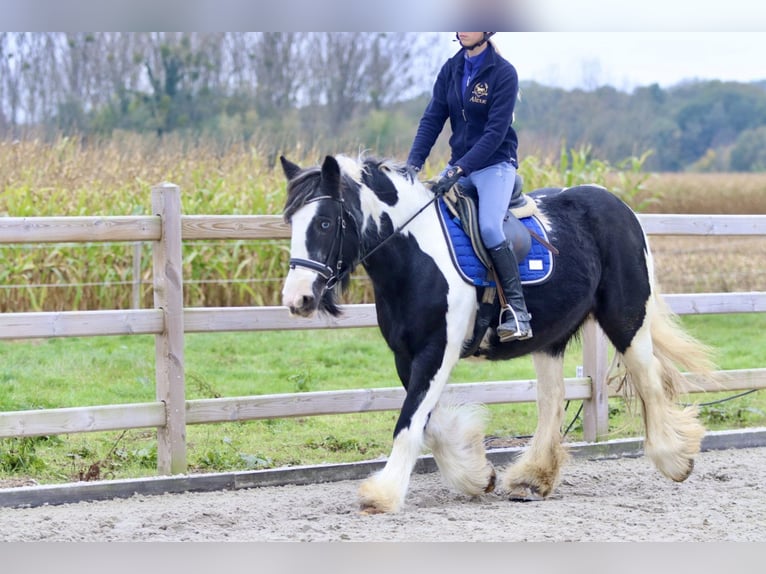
324	224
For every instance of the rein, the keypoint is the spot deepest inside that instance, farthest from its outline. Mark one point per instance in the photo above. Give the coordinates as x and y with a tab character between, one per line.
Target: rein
398	229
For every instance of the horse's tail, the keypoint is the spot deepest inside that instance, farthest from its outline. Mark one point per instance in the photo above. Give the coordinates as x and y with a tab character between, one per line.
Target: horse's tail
674	347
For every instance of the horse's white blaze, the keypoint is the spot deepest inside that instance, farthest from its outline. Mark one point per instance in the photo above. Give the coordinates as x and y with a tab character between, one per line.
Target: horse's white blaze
299	281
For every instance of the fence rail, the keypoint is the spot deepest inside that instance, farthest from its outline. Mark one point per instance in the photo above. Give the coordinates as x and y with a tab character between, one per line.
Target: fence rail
168	321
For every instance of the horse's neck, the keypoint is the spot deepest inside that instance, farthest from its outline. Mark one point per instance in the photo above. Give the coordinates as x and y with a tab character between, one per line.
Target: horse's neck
411	200
412	215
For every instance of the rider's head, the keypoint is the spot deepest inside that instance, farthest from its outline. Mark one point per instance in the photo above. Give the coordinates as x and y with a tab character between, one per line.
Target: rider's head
471	40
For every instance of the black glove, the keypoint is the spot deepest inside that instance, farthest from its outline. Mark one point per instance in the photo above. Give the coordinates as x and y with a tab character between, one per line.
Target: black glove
447	181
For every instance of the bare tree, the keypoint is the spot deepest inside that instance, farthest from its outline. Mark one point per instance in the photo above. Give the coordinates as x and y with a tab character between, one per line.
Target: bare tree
5	56
277	63
81	81
181	68
352	69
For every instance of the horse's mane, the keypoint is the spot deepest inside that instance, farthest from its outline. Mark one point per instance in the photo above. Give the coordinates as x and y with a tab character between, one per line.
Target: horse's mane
365	169
299	190
389	165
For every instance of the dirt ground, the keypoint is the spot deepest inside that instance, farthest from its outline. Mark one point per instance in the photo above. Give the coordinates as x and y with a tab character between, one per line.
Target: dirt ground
606	500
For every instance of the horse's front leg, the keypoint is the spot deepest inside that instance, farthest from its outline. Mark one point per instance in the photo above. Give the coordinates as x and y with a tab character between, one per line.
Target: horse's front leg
455	435
424	377
536	472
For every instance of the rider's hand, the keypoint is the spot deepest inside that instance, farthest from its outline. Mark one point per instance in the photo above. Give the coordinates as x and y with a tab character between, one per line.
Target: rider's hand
447	181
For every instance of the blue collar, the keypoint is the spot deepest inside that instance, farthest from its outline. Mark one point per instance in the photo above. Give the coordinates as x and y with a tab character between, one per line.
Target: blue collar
470	67
474	61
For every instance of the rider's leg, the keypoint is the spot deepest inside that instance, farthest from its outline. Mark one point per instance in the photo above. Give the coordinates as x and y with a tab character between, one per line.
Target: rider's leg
495	186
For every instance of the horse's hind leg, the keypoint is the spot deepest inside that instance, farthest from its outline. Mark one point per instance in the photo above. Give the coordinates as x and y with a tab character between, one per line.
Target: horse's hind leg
455	435
673	435
536	473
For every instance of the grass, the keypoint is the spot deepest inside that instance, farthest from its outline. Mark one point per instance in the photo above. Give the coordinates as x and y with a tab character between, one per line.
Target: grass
106	370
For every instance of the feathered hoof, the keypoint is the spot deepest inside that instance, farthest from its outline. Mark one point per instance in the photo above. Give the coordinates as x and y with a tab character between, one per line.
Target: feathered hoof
676	467
368	510
378	498
684	474
524	493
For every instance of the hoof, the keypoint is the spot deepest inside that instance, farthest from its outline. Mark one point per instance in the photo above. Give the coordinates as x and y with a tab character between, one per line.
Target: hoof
370	510
525	493
373	499
491	484
684	475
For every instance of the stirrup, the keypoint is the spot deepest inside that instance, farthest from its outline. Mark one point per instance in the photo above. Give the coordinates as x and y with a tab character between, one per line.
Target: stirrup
507	332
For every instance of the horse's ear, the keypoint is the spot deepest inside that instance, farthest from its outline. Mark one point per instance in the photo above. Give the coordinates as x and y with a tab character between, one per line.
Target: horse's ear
290	169
331	176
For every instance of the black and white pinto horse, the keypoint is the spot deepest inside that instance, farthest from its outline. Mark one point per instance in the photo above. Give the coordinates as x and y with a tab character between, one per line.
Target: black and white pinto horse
346	212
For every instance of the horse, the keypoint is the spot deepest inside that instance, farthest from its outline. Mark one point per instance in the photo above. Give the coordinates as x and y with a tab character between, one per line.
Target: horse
377	213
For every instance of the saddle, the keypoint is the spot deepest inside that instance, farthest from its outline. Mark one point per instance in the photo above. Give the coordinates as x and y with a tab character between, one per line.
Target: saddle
523	229
527	237
462	203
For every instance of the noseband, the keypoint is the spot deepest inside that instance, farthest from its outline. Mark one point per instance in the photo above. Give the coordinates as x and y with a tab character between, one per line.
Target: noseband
329	272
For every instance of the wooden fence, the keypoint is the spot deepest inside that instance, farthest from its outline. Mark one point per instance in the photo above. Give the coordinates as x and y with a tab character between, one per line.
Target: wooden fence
169	321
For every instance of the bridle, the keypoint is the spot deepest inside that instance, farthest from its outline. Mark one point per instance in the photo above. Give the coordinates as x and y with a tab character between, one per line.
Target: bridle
330	271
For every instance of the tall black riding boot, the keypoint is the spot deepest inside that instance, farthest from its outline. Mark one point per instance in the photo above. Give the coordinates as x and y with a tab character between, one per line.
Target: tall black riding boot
514	317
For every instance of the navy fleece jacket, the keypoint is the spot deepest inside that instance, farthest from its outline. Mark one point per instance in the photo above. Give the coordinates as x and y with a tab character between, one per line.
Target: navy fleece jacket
482	134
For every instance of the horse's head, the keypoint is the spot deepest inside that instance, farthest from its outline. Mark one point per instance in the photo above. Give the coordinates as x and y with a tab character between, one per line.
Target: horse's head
324	245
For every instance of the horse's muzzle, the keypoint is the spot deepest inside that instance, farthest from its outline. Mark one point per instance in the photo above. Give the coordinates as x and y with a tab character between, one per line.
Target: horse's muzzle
299	293
304	306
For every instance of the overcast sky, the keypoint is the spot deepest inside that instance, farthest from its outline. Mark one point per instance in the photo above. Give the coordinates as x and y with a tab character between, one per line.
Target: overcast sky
627	59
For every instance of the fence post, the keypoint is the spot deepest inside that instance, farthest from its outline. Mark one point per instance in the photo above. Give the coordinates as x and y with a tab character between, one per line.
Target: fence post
169	345
595	365
136	291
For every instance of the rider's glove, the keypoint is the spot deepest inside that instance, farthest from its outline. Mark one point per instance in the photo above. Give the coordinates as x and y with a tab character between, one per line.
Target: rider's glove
447	181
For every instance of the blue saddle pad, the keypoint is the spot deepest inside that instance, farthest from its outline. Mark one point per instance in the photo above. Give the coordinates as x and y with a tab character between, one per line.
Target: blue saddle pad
535	268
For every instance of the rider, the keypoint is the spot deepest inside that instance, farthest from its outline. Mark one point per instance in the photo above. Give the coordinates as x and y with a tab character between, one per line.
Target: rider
477	90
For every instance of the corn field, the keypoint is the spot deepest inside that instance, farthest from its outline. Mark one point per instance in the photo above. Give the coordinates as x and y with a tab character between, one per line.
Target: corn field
73	177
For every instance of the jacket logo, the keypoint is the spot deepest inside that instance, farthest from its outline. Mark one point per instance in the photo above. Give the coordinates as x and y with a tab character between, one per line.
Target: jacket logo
479	93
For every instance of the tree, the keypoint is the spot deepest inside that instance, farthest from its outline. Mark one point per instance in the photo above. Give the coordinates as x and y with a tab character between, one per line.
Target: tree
749	151
279	71
351	69
184	71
